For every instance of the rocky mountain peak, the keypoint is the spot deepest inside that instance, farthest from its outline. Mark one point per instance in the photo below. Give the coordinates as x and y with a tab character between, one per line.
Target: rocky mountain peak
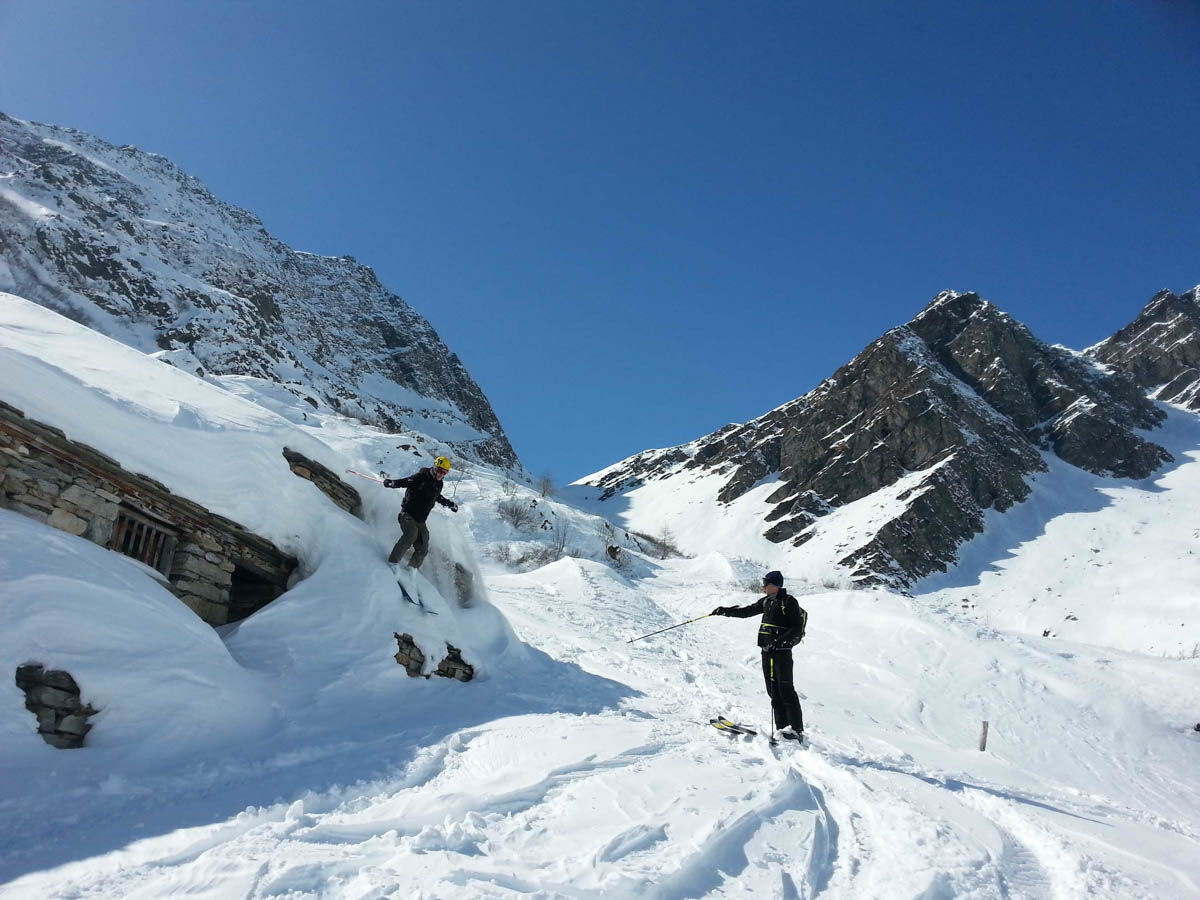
963	393
127	243
1160	348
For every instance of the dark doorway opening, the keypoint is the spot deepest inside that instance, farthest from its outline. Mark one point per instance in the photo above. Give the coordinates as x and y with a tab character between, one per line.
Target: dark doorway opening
249	592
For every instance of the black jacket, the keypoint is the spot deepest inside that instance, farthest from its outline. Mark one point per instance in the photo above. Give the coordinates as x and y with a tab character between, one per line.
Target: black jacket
423	490
783	620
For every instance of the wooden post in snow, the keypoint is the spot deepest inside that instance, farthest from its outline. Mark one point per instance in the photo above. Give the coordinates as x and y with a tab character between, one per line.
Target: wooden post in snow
983	736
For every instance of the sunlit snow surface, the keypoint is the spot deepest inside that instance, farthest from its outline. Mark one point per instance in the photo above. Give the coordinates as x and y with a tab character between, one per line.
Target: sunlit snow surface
290	756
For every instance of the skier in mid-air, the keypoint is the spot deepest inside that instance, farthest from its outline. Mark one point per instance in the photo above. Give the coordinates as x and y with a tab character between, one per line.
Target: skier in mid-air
782	627
424	488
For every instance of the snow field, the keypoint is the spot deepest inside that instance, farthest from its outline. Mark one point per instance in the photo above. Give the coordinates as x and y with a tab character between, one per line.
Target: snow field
308	764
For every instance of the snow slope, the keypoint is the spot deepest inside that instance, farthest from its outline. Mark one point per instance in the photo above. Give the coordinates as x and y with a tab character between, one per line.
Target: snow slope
294	758
1112	562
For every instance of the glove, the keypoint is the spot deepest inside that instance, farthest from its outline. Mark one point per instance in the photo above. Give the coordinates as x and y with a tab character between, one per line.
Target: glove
719	611
771	647
453	506
388	483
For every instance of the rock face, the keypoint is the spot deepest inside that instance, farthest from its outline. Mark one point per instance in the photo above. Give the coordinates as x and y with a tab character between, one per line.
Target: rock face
1160	349
964	393
128	244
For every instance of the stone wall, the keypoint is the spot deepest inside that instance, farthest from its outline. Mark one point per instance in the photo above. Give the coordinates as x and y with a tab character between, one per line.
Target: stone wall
413	660
53	698
76	488
326	481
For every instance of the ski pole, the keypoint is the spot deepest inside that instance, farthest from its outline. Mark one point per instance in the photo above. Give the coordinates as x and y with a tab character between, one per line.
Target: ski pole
365	475
669	627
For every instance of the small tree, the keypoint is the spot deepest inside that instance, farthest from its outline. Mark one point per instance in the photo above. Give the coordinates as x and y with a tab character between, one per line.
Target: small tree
667	545
545	484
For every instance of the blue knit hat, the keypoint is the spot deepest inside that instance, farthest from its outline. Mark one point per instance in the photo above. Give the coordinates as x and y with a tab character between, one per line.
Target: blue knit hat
775	578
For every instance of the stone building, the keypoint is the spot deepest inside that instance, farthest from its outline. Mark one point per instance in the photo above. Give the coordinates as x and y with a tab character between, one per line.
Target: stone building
219	569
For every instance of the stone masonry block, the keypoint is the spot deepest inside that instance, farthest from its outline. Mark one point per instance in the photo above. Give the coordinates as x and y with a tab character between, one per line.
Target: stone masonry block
47	487
187	566
100	530
42	503
75	724
205	590
87	499
38	514
213	613
66	522
30	674
49	696
60	679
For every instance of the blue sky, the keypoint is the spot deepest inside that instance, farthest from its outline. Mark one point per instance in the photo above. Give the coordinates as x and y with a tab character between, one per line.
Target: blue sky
638	221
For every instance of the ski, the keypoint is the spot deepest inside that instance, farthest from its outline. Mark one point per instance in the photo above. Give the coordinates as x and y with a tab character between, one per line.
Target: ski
723	724
414	601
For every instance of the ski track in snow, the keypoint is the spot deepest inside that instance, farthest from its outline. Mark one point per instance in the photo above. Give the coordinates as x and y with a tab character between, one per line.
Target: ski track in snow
645	801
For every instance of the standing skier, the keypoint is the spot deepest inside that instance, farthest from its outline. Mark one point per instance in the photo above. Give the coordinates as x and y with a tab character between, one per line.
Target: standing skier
782	628
424	488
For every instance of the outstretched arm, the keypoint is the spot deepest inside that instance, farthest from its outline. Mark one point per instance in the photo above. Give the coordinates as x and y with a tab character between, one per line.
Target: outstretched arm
740	612
398	482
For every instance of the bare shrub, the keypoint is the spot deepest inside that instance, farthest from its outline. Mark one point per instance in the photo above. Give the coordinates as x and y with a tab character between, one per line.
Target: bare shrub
663	545
541	555
508	488
545	484
517	514
558	543
667	545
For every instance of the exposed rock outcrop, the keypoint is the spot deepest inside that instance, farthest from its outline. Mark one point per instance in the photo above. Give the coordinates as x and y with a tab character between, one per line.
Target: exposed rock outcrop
53	697
963	392
412	658
1160	349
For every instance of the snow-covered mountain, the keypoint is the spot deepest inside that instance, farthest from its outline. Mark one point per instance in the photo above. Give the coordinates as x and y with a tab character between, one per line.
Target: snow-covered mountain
127	243
890	464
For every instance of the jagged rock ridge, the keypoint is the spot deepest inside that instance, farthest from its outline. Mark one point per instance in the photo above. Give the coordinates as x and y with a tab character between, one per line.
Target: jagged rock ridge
1160	349
963	392
127	243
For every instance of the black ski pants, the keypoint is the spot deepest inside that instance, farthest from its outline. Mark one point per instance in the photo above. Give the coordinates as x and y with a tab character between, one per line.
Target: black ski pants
412	534
777	671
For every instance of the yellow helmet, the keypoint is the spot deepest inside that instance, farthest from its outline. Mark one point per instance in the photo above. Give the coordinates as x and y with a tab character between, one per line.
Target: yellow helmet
442	463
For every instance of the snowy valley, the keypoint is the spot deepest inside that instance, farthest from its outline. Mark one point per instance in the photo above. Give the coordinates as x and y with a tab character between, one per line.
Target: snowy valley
289	755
